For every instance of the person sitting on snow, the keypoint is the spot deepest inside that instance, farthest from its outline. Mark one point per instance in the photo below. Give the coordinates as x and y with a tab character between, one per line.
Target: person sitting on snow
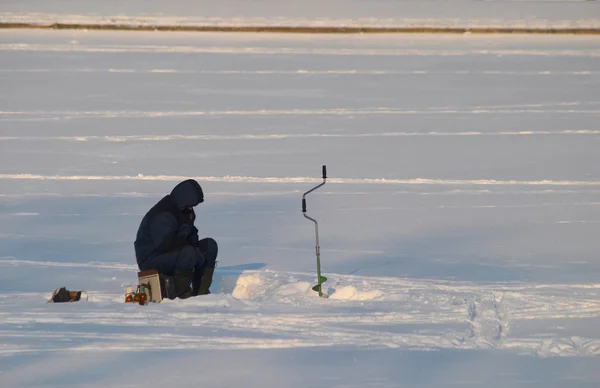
167	241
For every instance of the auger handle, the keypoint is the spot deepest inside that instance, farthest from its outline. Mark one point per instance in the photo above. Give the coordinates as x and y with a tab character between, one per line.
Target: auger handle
314	188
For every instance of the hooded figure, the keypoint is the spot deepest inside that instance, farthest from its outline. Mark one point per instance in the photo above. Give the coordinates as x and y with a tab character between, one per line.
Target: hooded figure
167	241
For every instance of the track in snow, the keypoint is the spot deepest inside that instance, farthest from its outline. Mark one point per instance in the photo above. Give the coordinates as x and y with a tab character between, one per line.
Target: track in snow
259	309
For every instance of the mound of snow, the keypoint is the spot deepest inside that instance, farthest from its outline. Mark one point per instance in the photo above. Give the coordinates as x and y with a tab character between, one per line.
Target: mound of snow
351	293
249	286
298	288
284	287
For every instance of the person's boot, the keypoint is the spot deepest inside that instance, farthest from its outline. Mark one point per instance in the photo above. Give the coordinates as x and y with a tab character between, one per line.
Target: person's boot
167	287
202	281
197	280
183	280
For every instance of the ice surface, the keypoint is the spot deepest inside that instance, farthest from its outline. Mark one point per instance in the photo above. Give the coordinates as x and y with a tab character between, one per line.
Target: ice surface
458	228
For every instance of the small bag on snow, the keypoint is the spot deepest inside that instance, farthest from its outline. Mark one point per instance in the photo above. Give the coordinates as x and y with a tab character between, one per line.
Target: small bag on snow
61	295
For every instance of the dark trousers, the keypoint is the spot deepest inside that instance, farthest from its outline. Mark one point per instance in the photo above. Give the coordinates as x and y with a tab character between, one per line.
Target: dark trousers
188	258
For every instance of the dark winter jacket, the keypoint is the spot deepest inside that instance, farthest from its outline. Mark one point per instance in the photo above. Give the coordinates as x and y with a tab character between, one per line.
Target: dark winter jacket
165	228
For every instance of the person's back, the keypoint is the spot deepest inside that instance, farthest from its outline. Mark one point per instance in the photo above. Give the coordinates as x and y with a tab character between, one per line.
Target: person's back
167	241
146	245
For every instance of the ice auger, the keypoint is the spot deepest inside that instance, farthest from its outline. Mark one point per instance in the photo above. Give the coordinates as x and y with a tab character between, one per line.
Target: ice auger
320	279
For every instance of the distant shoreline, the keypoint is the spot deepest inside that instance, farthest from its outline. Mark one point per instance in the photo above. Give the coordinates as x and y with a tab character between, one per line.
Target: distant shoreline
305	29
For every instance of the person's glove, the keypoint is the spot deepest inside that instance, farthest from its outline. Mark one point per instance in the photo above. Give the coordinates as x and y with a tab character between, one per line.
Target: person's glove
178	241
184	231
193	236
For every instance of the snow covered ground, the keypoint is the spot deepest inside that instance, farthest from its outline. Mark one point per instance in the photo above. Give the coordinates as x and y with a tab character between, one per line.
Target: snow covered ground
459	227
536	14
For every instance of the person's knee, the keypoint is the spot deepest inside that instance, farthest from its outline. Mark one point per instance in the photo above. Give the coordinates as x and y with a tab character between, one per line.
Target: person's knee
212	247
210	250
186	259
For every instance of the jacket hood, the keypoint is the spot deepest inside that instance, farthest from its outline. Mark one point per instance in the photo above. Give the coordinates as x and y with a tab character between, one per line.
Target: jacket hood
187	193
